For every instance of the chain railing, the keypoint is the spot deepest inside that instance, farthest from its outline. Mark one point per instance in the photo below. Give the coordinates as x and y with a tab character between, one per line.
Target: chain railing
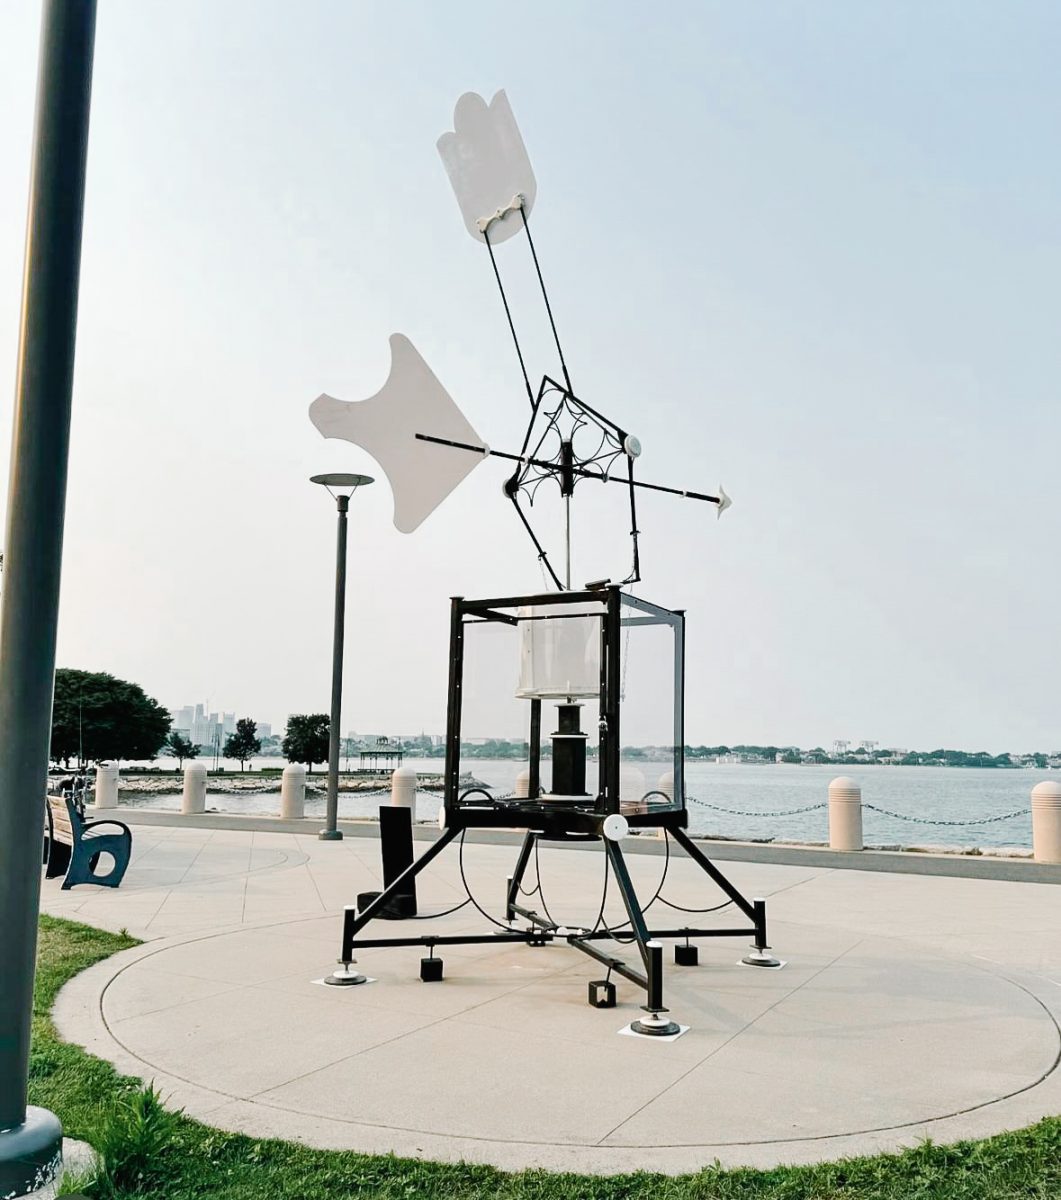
756	812
887	812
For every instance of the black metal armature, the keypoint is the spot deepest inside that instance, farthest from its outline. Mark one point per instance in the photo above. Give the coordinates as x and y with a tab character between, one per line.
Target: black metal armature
542	459
543	930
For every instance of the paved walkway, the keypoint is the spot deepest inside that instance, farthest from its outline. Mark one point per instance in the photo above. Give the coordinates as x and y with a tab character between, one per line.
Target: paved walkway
910	1007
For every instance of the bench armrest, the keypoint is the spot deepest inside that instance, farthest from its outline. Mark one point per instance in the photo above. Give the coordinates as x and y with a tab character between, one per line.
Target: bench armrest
96	824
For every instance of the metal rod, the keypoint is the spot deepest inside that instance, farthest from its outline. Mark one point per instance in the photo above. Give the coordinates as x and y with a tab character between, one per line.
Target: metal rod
605	935
464	939
508	314
567	541
538	462
629	897
33	543
701	859
353	921
528	914
331	832
545	297
516	880
613	964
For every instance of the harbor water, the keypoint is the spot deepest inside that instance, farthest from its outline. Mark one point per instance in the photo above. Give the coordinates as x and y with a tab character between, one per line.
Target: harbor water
750	802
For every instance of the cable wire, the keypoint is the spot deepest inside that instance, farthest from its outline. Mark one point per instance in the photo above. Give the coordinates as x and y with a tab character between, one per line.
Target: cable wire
464	880
545	297
508	314
445	913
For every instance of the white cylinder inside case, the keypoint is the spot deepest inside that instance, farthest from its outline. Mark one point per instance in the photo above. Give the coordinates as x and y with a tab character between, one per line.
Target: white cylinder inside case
559	651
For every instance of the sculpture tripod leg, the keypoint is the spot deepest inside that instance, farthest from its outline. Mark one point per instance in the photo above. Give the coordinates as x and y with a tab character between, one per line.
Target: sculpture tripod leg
759	954
656	1023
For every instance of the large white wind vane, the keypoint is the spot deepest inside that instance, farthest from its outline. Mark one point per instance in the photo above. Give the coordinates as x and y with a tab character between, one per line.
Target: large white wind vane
412	426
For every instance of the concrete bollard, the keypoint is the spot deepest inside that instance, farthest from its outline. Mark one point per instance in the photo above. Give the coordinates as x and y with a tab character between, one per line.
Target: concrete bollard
293	792
845	814
632	789
107	785
1046	822
193	798
403	789
665	784
521	788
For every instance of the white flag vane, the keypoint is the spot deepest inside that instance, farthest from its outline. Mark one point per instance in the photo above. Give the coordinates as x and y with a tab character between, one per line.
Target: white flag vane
413	427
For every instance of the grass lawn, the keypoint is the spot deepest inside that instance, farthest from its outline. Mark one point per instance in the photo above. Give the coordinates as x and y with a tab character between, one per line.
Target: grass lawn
151	1152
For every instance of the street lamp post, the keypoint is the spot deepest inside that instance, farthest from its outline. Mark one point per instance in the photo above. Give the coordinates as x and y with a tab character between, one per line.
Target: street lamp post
31	1138
341	487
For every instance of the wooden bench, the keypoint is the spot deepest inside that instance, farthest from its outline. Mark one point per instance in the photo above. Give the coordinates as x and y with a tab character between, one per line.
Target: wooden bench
73	845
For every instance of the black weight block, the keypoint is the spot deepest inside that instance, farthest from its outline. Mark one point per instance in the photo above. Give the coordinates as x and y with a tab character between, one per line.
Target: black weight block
602	993
431	970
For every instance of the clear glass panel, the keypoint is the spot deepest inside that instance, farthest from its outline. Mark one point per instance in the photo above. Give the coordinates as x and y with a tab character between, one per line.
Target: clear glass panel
650	765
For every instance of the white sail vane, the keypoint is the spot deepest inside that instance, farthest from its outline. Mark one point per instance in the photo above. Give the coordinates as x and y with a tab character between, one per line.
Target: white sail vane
421	474
488	167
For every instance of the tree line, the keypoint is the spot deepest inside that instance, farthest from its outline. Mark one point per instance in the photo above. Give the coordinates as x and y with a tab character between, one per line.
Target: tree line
97	717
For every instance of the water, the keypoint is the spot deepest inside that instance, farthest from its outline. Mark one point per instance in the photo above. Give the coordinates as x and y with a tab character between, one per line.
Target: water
929	793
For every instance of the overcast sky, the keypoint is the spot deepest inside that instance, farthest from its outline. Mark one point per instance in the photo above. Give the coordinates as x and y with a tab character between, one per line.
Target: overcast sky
811	251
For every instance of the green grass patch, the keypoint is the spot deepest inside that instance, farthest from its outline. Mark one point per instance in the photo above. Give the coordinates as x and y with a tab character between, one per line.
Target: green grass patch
151	1152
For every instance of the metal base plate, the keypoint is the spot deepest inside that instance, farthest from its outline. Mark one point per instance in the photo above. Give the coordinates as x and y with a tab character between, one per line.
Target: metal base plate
344	979
630	1031
31	1154
763	960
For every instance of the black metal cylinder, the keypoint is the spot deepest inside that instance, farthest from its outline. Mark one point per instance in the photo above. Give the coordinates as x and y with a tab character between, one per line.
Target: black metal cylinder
759	907
569	752
655	976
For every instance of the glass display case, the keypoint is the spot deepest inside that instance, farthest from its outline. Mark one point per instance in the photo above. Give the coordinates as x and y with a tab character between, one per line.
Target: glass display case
586	690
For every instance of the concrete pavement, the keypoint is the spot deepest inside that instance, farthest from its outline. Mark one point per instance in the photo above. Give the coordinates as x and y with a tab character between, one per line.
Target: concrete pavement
911	1007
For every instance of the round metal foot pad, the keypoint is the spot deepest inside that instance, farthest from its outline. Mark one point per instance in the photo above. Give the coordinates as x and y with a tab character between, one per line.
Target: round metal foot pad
655	1025
761	958
346	977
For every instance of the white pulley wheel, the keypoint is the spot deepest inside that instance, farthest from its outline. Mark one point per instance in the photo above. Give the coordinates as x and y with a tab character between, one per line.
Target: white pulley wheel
615	827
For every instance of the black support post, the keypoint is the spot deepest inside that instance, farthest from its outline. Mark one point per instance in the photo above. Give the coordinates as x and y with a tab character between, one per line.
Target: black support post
31	1138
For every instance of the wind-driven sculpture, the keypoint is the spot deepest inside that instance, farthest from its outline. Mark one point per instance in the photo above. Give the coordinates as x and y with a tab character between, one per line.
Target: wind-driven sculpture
573	647
413	427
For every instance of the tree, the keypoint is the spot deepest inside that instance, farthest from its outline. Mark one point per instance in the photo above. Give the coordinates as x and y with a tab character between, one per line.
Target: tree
244	743
306	739
97	717
179	747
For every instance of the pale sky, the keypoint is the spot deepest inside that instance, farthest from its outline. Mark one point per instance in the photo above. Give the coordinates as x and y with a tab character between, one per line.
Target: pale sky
811	251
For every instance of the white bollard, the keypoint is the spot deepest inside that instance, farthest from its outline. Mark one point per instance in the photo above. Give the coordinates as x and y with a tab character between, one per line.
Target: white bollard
403	789
665	784
293	792
107	785
845	814
193	799
521	788
1046	822
632	789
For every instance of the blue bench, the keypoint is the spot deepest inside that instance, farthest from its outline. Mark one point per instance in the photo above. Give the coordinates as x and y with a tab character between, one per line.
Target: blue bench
73	845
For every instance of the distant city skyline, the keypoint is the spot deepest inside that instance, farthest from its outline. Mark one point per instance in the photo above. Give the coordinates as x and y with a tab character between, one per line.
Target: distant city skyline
811	254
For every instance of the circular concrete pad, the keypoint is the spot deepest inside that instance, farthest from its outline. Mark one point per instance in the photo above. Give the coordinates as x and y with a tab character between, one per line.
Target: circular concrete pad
863	1042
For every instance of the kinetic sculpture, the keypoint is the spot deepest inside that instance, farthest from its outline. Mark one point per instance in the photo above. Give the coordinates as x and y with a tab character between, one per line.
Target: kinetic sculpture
572	646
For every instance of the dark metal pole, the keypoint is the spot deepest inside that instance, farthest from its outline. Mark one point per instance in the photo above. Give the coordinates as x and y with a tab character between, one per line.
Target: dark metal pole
330	833
31	1138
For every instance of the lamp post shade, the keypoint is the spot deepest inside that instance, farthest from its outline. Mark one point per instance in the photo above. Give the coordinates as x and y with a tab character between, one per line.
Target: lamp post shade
338	480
